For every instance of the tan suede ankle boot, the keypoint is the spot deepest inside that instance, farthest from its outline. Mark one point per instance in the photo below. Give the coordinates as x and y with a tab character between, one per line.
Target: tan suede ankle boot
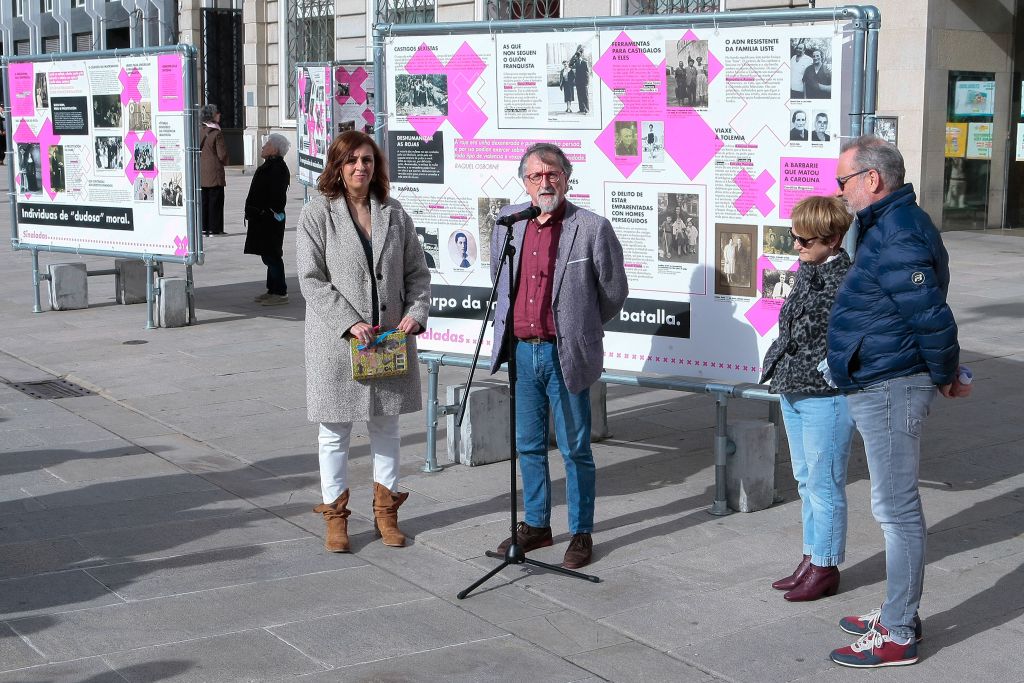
385	515
336	516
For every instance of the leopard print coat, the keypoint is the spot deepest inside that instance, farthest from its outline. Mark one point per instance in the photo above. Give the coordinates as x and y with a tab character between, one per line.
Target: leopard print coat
792	361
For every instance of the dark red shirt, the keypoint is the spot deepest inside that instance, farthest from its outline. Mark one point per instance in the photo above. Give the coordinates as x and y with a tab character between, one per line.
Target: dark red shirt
533	315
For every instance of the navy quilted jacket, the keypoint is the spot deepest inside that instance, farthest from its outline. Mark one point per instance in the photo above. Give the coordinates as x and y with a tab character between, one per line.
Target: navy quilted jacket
890	318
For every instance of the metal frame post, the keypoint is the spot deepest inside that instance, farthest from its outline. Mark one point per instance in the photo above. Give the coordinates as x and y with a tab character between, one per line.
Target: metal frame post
433	370
36	301
150	293
723	449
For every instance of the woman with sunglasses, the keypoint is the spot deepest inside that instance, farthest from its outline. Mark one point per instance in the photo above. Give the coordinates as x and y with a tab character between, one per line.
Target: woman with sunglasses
818	424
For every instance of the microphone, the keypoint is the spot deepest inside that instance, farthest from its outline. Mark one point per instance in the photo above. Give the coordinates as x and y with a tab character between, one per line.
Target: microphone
524	215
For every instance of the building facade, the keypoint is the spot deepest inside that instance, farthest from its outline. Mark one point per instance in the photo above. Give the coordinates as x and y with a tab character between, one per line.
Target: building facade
947	86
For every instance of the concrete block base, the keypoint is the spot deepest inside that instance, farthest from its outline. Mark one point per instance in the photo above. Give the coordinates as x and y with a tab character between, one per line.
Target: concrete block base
598	415
69	286
750	471
172	302
130	281
485	434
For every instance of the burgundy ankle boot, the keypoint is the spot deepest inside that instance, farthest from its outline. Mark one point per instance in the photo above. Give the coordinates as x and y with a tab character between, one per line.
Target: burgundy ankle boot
819	582
794	579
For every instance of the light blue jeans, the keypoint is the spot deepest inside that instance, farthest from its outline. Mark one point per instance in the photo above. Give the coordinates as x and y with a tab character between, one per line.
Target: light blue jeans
889	416
819	429
540	388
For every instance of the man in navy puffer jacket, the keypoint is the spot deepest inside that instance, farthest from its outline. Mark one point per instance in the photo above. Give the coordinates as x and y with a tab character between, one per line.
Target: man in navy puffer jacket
892	344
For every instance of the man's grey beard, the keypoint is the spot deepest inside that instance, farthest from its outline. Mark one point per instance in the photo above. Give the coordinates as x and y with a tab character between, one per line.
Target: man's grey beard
548	203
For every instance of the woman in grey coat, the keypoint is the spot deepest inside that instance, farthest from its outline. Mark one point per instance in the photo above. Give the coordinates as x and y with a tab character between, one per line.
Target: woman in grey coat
361	269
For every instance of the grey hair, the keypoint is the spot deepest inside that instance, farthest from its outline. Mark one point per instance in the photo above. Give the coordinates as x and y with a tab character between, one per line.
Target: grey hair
280	143
548	153
208	112
871	151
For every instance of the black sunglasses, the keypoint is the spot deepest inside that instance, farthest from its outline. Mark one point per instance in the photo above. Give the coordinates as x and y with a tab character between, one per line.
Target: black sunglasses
802	241
841	180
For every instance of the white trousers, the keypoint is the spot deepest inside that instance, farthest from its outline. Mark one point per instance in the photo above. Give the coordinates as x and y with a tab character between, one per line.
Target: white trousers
334	444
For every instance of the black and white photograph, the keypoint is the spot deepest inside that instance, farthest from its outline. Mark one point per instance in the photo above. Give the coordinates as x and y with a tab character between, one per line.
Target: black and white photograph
777	284
686	73
798	126
734	260
421	94
821	131
42	92
487	209
570	75
30	168
57	174
171	192
626	139
144	191
810	68
341	90
140	116
652	140
778	241
145	156
678	231
428	240
109	152
346	125
462	249
887	128
106	111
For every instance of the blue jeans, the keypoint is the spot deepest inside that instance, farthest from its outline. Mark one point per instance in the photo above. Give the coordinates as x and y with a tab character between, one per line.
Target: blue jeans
820	430
540	387
276	283
889	416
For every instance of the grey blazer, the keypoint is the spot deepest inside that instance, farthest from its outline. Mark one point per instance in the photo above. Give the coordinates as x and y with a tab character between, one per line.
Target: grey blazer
589	290
335	282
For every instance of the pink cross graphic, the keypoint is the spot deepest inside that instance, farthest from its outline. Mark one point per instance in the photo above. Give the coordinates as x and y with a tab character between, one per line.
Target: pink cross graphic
130	86
754	192
355	81
689	140
46	139
463	70
130	141
764	314
181	245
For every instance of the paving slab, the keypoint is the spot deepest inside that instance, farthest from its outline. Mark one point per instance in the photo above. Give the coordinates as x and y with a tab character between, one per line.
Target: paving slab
52	593
90	670
636	662
39	557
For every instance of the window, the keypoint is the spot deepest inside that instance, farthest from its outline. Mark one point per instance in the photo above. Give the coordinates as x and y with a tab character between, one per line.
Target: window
51	44
405	11
523	9
671	6
19	8
81	42
46	6
78	3
308	37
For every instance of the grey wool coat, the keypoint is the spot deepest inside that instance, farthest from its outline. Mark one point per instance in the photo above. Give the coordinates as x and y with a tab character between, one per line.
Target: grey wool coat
588	290
335	282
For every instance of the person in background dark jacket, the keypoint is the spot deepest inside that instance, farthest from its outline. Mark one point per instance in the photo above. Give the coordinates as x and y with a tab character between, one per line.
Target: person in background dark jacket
213	157
818	423
892	341
264	215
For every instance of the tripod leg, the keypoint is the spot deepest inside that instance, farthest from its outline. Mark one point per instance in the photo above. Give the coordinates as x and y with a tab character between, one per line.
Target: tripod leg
462	594
563	570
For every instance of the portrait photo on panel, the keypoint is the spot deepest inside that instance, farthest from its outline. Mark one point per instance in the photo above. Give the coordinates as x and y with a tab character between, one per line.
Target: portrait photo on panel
777	284
428	240
626	139
778	241
820	131
652	141
798	126
734	260
421	94
686	73
145	156
462	249
109	152
140	116
810	69
487	209
569	75
171	190
106	111
57	178
30	167
143	189
42	92
678	233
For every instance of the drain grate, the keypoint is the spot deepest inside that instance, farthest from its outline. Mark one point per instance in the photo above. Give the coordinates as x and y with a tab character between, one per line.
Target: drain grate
50	389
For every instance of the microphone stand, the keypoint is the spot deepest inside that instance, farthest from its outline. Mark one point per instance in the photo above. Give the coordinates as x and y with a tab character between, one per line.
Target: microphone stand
514	554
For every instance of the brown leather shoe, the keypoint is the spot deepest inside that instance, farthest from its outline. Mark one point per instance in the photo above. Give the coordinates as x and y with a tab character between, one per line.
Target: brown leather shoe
529	537
794	579
819	582
385	515
577	555
336	518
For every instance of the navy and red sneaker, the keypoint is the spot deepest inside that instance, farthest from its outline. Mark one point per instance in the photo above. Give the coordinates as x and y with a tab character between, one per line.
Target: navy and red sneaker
858	626
876	649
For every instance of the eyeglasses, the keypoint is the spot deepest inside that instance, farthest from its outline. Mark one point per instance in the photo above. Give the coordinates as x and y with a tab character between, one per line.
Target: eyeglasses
551	176
803	241
841	180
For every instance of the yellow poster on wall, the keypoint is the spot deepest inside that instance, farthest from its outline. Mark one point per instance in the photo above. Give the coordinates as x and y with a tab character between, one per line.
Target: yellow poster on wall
956	139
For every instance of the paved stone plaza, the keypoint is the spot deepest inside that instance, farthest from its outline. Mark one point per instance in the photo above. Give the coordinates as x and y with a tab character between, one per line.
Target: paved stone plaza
161	530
